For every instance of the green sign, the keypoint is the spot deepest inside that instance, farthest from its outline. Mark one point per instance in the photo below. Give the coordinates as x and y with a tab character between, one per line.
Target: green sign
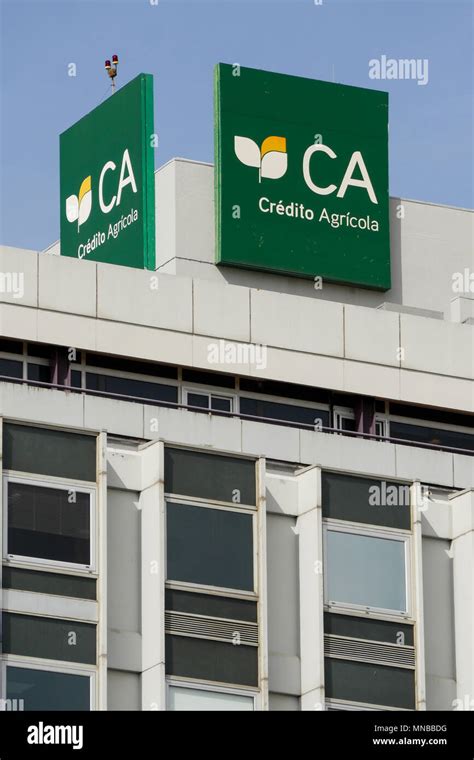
107	180
302	177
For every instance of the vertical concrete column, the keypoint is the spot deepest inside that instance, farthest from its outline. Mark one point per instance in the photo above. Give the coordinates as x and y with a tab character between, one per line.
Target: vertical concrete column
262	583
152	506
101	548
309	529
462	550
418	505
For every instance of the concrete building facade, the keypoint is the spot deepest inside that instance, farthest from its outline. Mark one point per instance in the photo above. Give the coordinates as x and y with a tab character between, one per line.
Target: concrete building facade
226	489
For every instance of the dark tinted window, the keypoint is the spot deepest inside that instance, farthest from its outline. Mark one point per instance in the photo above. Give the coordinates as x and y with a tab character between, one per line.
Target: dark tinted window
123	386
368	628
448	438
48	690
76	378
49	452
433	415
211	606
40	372
208	378
11	346
211	660
209	476
372	684
286	390
213	547
40	350
199	400
49	638
363	500
48	523
131	365
219	404
285	412
49	583
11	368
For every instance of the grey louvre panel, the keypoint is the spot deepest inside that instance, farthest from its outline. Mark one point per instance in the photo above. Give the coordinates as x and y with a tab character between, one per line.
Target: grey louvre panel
49	638
363	500
368	628
210	605
208	476
48	690
211	628
49	583
211	547
369	651
372	684
49	452
211	660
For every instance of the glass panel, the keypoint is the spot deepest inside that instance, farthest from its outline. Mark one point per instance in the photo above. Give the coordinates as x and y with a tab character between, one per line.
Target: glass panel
284	412
365	570
11	346
123	386
76	378
40	372
213	547
49	523
347	424
49	583
208	378
220	404
286	390
448	438
131	365
40	350
373	684
49	452
198	399
368	628
209	476
180	698
48	690
211	660
49	638
11	368
211	605
376	502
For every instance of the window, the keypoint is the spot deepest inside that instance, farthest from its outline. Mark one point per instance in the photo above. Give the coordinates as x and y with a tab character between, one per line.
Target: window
435	435
370	683
61	584
366	570
49	523
210	547
124	386
303	415
209	476
215	402
190	698
49	638
381	426
49	451
344	419
365	500
49	688
11	368
211	660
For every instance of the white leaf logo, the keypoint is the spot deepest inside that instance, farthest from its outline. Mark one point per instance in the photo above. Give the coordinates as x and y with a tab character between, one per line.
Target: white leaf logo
271	159
78	208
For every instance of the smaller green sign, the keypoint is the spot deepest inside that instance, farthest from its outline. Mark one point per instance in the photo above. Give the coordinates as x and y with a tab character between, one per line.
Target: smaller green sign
107	180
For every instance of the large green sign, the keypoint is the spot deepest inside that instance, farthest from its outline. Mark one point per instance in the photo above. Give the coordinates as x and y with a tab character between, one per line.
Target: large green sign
107	180
302	177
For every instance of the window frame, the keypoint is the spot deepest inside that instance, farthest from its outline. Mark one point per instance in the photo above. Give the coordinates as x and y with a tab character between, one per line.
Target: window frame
217	590
342	413
383	420
62	484
189	683
209	392
18	661
346	705
344	526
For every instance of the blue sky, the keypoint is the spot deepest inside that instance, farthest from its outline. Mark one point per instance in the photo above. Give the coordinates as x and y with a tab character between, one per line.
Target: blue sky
178	41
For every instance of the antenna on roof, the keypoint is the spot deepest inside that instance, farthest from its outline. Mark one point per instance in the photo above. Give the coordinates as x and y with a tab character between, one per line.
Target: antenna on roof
111	69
